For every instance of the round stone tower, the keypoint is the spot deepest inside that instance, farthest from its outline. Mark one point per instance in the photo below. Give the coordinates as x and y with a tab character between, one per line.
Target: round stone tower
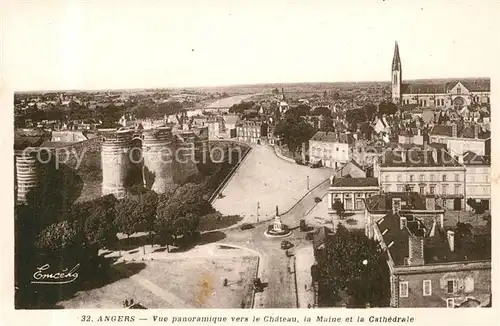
116	162
186	158
158	156
201	145
29	171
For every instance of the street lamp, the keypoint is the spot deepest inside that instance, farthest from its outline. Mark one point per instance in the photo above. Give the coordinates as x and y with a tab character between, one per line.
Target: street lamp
307	182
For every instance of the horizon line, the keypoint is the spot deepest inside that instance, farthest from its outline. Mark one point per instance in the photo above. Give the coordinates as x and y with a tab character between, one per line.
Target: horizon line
181	87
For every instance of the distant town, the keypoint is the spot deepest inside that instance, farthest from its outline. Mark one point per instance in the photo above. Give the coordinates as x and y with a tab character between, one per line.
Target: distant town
310	195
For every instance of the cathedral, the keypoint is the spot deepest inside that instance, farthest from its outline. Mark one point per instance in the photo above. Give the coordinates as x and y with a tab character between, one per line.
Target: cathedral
437	93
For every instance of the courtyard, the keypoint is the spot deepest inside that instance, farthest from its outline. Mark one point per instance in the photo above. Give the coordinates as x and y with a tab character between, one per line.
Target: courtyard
266	181
193	279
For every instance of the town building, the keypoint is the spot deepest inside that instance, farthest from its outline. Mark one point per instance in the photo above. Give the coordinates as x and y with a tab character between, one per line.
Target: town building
434	266
351	192
429	171
413	203
437	93
251	131
351	169
411	136
331	149
478	181
460	138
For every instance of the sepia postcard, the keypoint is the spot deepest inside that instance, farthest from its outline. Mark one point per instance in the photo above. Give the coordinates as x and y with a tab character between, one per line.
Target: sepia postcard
248	162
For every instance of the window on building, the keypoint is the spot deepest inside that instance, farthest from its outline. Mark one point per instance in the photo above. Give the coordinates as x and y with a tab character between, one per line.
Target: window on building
450	303
457	189
469	284
451	286
422	178
403	289
387	178
486	178
400	178
444	177
427	287
457	177
432	177
444	190
400	188
422	190
411	177
431	190
459	90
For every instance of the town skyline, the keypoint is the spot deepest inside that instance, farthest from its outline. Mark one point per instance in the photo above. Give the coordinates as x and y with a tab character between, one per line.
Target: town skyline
222	45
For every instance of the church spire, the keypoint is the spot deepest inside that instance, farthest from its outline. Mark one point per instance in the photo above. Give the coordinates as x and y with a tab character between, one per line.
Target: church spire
396	60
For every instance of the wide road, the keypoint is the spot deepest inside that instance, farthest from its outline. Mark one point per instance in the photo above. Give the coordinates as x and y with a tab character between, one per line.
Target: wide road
281	291
266	181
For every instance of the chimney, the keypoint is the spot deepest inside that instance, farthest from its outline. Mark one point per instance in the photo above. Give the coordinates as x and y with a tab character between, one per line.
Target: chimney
402	222
419	132
416	250
476	131
461	158
403	156
454	130
434	155
451	239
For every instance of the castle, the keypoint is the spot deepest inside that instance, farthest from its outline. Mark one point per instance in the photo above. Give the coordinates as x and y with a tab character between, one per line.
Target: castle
167	158
439	94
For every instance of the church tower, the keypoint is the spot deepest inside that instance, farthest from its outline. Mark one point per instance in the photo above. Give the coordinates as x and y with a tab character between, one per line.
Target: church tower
396	77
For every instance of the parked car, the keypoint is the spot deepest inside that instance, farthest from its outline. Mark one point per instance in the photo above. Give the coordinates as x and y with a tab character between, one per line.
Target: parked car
246	226
285	244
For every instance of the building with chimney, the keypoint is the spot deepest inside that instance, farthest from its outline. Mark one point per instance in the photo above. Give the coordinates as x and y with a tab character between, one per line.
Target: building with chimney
460	138
331	149
251	131
429	171
434	266
437	93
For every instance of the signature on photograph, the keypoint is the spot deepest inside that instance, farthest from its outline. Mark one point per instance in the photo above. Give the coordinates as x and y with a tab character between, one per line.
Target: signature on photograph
41	276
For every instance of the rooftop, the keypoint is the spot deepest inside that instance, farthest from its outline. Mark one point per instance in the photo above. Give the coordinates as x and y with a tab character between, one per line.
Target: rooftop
418	158
463	131
383	202
331	137
472	247
471	158
444	86
355	182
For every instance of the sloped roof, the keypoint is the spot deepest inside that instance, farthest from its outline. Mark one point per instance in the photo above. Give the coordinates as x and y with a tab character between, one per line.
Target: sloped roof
331	137
383	202
463	131
417	158
471	158
395	235
435	86
355	182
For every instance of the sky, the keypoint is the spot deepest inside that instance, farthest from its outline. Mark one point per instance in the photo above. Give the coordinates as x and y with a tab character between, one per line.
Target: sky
141	44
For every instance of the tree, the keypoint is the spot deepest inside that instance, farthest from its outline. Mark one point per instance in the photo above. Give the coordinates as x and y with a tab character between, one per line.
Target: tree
322	110
177	212
95	221
294	131
336	96
355	116
370	111
338	206
58	237
327	124
353	263
386	107
127	216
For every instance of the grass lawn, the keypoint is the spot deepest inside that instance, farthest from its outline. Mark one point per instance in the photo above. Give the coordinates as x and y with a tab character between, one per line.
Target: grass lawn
179	283
216	221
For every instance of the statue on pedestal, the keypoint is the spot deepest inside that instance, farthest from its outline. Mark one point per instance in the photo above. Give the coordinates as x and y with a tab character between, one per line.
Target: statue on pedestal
277	225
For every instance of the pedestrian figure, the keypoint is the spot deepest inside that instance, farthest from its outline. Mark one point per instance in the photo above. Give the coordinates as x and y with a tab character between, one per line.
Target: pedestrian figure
309	305
131	301
305	287
126	303
242	304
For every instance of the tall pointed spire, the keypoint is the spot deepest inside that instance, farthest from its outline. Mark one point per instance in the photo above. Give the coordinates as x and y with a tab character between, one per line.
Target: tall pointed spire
396	60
